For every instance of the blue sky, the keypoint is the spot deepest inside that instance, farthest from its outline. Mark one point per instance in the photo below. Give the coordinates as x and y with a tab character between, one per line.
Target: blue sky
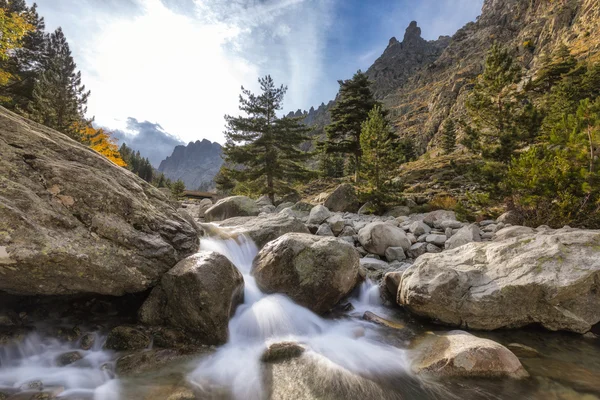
180	63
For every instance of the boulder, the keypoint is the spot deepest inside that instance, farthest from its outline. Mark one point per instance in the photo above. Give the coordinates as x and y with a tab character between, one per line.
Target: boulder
395	254
513	231
448	223
318	215
264	229
336	223
419	228
324	230
460	354
229	207
287	204
373	268
343	199
198	295
398	211
124	338
438	215
548	278
376	237
437	240
347	231
204	205
463	236
315	272
510	217
73	222
281	351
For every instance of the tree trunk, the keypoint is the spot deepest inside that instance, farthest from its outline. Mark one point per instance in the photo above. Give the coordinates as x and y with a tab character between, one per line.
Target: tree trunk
356	167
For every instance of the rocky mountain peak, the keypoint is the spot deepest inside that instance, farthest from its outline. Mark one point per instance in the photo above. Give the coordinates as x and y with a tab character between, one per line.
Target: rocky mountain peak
195	164
412	34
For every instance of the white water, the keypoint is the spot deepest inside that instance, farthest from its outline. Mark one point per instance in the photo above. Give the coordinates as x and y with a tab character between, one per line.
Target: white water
35	359
347	344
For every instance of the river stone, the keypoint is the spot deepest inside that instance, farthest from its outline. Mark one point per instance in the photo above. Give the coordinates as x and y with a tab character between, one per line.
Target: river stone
460	354
419	228
549	278
318	215
205	204
336	223
324	230
281	351
198	295
73	222
438	240
229	207
395	254
316	272
438	215
124	338
464	235
264	229
417	250
68	358
376	237
343	199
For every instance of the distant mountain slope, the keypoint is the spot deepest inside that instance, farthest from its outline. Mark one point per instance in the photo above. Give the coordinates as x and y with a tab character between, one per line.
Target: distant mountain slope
195	164
423	82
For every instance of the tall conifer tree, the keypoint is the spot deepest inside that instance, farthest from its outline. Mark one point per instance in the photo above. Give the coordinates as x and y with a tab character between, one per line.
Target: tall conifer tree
353	104
59	97
263	147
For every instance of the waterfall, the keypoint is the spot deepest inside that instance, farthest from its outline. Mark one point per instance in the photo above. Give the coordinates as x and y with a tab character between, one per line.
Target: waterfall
264	319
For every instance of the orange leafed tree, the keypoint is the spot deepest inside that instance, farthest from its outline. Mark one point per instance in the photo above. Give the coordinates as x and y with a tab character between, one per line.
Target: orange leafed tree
102	142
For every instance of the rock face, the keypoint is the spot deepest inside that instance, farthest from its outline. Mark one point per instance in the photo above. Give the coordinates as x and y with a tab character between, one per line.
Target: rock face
265	229
73	222
376	237
195	164
550	278
343	199
316	272
229	207
460	354
198	295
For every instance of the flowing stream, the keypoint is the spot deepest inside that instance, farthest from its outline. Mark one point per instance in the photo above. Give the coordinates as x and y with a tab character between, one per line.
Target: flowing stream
345	357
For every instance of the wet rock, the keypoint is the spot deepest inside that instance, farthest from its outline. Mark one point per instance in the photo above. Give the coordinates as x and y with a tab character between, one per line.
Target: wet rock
124	338
372	317
87	341
343	199
263	229
376	237
318	215
149	360
460	354
204	205
229	207
510	283
282	351
100	229
522	351
32	385
68	358
467	234
373	268
198	295
316	272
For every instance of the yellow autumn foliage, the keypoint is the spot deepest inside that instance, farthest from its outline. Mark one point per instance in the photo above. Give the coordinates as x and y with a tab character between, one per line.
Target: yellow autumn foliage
102	142
13	28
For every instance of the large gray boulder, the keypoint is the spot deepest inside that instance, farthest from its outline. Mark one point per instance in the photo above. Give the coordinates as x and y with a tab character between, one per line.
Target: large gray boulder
460	354
73	222
318	215
464	235
264	229
376	237
229	207
549	278
198	295
343	199
316	272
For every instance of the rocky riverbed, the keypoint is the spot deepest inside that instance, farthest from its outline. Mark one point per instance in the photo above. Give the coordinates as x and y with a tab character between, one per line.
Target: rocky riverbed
108	291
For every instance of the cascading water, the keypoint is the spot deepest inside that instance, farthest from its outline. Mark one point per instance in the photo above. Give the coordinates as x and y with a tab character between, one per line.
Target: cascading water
34	363
345	344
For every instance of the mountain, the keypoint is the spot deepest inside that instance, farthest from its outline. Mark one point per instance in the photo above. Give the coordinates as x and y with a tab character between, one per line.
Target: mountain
195	164
422	82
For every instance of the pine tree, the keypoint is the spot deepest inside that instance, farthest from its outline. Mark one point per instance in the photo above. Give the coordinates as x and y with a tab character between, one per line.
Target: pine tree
265	146
379	155
177	188
353	104
449	136
59	98
494	105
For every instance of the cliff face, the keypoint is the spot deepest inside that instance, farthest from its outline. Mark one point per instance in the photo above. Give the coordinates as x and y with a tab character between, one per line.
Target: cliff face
423	82
195	164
